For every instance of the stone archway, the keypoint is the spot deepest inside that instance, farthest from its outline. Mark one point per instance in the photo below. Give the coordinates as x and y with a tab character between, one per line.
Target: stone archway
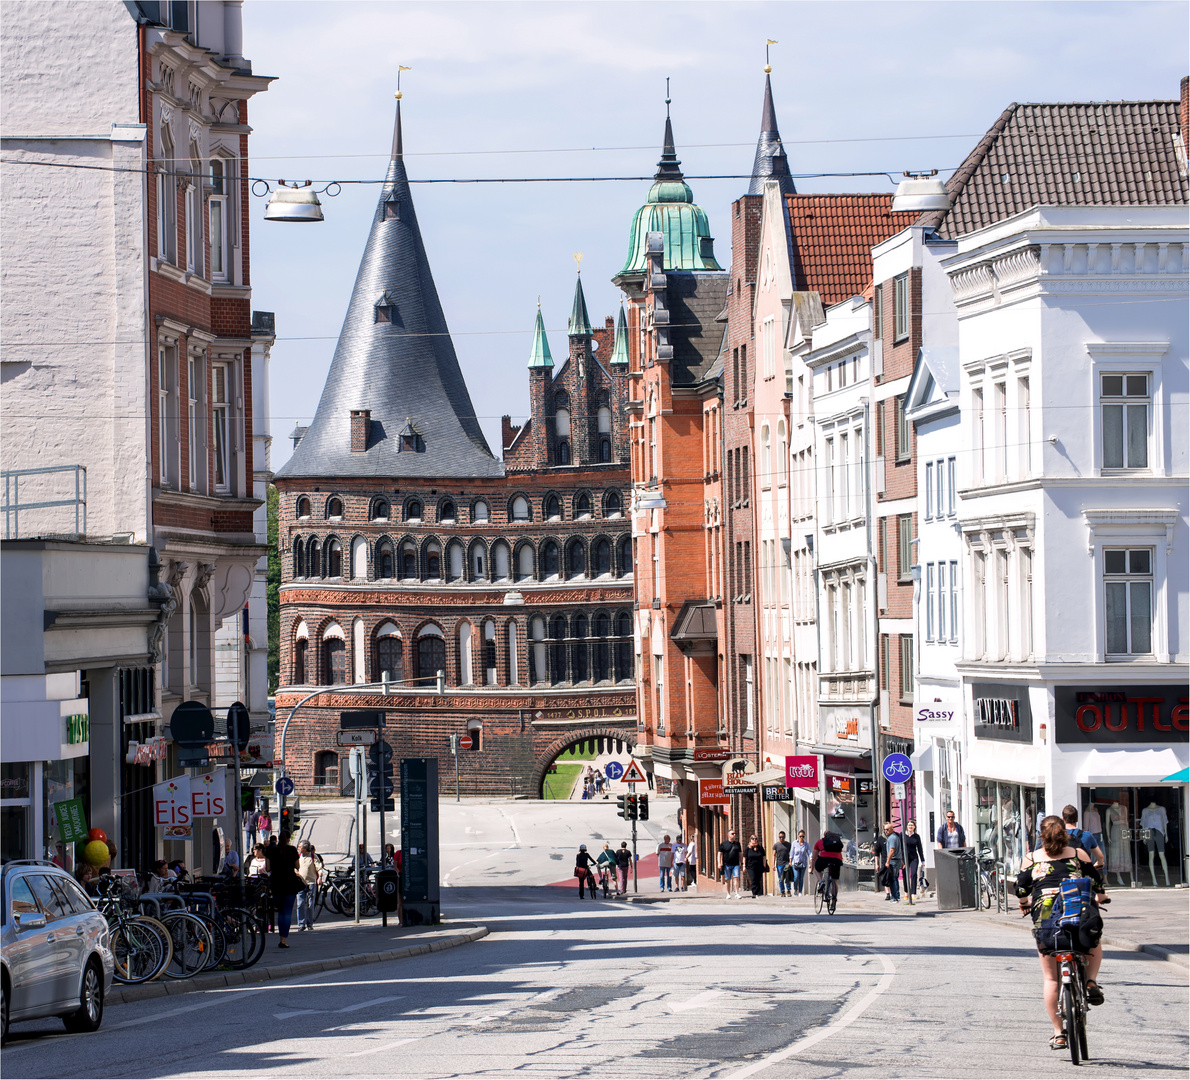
571	738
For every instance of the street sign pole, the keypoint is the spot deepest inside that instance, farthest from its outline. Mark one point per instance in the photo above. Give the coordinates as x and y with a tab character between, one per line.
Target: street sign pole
632	788
361	778
383	803
454	749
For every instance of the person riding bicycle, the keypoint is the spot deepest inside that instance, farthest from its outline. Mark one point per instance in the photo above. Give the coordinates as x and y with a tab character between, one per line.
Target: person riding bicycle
828	855
1039	881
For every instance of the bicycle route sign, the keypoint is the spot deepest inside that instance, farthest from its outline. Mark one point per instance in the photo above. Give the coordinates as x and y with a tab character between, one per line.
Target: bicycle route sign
613	770
897	768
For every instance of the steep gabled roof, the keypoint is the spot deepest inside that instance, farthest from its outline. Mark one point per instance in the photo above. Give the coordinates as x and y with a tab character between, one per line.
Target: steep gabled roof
833	237
398	367
1099	153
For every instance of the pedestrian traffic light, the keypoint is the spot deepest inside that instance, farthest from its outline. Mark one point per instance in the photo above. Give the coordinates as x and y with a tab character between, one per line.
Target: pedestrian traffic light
642	807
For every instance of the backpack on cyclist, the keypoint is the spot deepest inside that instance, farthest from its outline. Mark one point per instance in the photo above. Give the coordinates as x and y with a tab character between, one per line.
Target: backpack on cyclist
1070	918
832	842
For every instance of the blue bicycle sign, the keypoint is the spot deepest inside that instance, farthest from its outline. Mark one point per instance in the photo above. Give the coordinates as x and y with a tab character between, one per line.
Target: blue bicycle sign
897	768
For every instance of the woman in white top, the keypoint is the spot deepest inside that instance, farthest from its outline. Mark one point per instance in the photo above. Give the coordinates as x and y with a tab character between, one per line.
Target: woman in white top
259	864
679	853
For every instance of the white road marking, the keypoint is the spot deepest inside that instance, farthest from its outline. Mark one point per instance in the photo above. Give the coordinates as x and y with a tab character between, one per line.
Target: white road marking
846	1020
296	1012
384	1046
368	1004
695	1002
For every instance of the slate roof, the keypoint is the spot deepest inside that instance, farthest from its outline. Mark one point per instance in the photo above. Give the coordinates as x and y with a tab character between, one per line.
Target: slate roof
694	301
401	369
1099	153
771	162
832	240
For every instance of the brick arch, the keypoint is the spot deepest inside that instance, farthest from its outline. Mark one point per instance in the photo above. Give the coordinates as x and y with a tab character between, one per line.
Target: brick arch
549	755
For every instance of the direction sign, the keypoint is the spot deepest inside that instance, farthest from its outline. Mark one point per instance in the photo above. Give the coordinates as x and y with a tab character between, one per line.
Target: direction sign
613	770
361	718
284	787
897	768
374	786
362	737
634	774
380	751
389	805
466	742
898	792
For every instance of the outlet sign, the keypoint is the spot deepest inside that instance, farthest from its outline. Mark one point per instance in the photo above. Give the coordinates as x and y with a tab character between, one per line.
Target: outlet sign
1122	714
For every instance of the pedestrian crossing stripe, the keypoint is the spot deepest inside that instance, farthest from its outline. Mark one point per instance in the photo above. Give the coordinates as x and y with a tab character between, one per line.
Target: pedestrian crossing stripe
633	775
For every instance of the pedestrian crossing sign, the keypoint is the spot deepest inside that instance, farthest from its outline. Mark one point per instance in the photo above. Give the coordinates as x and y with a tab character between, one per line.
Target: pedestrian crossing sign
634	774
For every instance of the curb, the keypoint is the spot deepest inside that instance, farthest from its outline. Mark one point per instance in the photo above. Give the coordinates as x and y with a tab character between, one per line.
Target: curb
171	988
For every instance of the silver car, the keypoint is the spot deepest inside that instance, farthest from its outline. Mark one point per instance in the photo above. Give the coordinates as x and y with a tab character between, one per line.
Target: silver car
55	950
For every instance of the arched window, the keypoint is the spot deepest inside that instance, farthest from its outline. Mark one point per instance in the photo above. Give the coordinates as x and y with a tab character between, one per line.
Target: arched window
380	510
537	653
549	560
624	663
431	654
582	505
384	560
334	656
563	453
299	557
520	508
480	511
389	654
408	560
447	511
413	510
553	508
359	558
576	559
326	769
433	560
334	559
501	561
465	665
605	420
562	424
624	555
603	669
334	508
477	561
612	504
314	559
303	507
557	649
455	551
579	651
511	665
524	562
489	652
301	654
605	449
601	557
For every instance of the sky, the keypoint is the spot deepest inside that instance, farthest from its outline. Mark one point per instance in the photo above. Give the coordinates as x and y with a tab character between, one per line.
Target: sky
553	90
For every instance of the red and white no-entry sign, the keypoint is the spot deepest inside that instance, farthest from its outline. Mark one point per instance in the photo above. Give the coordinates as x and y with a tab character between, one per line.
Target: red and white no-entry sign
466	742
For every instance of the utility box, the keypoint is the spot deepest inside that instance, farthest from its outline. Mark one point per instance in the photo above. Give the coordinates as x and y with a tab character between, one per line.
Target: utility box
955	879
388	890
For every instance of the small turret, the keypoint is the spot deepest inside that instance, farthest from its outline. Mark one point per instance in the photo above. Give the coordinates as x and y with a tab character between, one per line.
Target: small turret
580	323
539	356
770	162
620	350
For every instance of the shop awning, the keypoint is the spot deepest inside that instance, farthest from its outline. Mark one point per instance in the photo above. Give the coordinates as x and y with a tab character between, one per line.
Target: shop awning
923	759
1131	766
1181	777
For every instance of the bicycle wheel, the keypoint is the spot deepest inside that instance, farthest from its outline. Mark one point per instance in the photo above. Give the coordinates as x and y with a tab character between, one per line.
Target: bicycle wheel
192	944
1069	1010
245	938
819	898
218	941
833	897
986	889
1081	1009
158	928
137	952
318	905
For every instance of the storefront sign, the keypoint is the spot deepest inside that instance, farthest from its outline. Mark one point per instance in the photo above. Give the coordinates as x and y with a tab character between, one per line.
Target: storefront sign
801	771
1001	711
208	794
171	803
841	785
1122	714
71	820
712	755
775	793
934	713
710	793
145	753
845	728
735	777
78	729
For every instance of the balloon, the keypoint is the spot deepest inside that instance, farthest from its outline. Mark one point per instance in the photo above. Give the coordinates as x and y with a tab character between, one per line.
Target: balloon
97	834
97	854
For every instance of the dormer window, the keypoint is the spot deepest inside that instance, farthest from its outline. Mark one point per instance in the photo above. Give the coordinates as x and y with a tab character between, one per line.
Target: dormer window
385	309
392	208
408	439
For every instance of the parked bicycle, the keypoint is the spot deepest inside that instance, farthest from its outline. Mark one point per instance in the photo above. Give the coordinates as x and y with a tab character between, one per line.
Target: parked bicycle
142	948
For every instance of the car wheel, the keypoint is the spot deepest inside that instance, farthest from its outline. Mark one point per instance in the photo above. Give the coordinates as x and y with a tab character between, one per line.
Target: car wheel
4	1009
89	1014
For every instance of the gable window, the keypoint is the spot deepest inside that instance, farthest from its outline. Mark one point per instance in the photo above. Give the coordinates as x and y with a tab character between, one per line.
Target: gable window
900	307
1128	600
221	425
217	209
1124	402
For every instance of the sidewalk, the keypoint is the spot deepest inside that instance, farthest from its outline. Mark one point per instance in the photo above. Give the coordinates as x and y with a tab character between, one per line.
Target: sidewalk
333	943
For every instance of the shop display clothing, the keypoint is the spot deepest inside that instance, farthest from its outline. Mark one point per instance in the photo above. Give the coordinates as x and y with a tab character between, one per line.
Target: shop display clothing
1119	856
1154	816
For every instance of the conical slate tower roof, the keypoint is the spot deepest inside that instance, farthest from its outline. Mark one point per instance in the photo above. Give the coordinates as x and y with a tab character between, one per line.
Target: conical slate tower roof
770	162
396	359
539	355
580	322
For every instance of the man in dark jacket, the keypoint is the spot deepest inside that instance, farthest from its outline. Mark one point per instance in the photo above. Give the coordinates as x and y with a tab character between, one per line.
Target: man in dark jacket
623	862
950	835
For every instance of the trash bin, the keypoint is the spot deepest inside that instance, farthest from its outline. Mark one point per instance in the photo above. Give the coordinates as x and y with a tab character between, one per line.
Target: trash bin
954	879
388	890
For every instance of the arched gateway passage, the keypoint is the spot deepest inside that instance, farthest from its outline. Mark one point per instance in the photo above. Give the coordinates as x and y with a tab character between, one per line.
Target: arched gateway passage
606	739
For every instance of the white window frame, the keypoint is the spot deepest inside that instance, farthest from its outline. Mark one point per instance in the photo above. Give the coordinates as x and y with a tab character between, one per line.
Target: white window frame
952	499
219	206
929	509
1130	358
193	366
222	412
929	601
954	601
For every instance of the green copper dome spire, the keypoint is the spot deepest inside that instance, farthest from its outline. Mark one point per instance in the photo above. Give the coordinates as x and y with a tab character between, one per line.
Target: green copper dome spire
580	324
540	356
620	350
670	210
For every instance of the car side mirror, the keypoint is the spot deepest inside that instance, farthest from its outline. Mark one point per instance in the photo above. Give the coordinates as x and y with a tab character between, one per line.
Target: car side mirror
30	920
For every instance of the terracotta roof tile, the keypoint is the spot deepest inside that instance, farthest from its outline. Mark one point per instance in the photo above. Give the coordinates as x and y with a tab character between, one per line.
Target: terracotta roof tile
833	237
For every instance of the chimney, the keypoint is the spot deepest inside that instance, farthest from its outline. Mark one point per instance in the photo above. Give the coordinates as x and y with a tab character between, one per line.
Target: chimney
361	423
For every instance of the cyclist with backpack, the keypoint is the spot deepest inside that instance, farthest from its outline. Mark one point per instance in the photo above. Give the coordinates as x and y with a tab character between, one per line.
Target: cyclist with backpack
828	856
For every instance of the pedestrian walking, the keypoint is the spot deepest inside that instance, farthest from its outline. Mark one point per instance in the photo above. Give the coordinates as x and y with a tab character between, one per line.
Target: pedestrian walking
894	859
729	864
756	864
665	862
623	862
605	865
582	870
799	859
950	834
781	850
264	823
285	885
679	864
691	864
880	849
915	857
308	872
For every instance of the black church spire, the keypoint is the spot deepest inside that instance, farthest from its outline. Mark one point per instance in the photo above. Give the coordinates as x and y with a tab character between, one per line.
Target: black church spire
770	162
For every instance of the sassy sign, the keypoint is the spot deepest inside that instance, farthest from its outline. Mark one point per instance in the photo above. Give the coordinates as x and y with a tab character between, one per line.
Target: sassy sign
801	770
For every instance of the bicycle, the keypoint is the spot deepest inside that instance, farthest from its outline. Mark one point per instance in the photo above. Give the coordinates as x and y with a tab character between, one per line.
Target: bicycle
1072	997
826	893
142	948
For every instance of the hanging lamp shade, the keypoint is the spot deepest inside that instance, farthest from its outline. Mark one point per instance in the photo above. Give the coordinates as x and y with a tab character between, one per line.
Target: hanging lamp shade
920	191
298	202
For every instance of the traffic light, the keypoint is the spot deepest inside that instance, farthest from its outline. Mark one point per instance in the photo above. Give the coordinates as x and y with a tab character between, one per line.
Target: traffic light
295	811
642	807
627	805
287	821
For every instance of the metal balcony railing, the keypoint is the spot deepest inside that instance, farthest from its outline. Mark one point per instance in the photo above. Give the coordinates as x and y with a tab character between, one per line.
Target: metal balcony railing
14	507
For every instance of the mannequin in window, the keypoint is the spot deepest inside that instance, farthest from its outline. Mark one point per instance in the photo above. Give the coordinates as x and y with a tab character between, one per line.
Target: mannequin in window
1093	823
1119	857
1156	820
